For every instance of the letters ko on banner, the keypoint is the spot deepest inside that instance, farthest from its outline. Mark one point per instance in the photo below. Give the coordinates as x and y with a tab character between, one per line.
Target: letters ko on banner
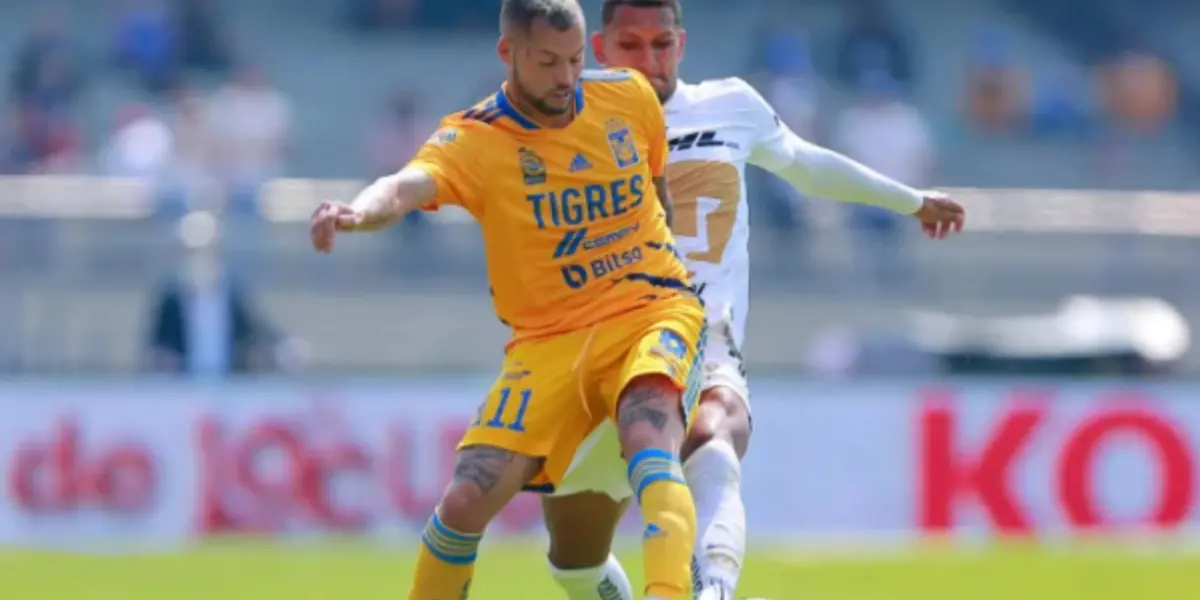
1069	443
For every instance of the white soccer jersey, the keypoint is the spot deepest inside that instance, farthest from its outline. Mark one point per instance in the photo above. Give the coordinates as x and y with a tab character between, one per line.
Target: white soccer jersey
715	128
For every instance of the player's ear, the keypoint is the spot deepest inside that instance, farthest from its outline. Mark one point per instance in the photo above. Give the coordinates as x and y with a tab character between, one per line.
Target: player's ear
598	48
504	50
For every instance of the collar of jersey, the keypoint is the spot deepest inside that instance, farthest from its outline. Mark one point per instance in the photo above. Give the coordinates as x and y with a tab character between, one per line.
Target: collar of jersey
507	109
677	97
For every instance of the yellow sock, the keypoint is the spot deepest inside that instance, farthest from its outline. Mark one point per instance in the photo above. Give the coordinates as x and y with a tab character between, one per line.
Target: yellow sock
445	563
670	517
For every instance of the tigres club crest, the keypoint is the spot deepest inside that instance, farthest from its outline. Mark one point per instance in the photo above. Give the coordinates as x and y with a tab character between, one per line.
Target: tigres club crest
620	140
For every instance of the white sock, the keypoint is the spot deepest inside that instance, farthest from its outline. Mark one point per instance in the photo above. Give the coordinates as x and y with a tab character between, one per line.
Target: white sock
714	476
605	582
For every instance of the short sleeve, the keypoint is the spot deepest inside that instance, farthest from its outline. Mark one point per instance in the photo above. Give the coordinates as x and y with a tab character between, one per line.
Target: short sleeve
655	124
447	156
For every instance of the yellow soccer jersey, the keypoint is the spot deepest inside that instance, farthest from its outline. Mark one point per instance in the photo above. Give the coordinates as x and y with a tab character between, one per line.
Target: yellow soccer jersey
573	227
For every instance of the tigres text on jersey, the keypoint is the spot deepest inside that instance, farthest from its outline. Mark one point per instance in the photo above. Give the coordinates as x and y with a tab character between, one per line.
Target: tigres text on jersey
572	225
715	128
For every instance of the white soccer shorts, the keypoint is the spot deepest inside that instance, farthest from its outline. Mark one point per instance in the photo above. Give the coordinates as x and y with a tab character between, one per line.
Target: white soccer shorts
598	466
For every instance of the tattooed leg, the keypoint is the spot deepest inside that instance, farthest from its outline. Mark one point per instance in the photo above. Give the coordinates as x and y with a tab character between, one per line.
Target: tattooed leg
650	415
651	426
485	479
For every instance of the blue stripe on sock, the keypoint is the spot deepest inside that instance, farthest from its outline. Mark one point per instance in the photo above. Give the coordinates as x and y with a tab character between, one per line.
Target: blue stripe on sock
450	546
446	558
656	478
646	454
652	465
450	533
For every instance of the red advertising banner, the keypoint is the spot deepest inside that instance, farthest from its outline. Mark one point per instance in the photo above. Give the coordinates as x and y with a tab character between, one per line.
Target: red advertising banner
167	461
954	472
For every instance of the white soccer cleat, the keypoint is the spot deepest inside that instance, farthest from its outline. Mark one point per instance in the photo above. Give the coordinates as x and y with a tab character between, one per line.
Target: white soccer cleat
718	593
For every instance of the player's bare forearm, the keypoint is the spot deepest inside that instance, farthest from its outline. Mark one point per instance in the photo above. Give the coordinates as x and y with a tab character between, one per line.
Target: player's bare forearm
391	197
664	197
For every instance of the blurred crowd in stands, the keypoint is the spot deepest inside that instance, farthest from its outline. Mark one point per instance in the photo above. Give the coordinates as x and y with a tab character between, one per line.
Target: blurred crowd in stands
212	125
209	116
213	121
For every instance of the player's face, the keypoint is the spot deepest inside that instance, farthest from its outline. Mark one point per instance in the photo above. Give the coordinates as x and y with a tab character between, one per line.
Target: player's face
644	38
545	65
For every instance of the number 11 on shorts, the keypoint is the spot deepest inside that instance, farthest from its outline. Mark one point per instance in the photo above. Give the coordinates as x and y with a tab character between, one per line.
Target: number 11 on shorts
497	420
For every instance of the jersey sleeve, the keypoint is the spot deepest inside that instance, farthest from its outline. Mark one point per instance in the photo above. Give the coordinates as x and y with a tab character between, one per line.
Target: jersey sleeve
655	124
816	170
447	156
771	150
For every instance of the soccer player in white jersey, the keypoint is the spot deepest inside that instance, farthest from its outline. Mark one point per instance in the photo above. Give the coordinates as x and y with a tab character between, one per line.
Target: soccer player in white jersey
715	129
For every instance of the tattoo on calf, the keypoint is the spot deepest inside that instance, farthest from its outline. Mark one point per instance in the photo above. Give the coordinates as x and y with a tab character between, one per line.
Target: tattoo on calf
482	465
642	406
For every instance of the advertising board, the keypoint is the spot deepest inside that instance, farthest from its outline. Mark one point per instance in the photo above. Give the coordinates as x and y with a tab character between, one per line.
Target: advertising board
170	461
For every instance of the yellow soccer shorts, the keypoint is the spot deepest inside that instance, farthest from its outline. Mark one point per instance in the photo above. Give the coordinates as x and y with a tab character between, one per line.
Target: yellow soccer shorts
552	392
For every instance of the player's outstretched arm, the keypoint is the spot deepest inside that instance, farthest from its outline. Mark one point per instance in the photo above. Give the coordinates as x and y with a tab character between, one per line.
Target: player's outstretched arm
822	172
380	204
815	170
391	197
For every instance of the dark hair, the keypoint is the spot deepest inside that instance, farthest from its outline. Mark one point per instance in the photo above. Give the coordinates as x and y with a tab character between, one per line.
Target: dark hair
610	7
521	14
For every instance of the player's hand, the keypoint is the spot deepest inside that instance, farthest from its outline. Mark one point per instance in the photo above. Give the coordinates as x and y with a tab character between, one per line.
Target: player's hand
940	216
330	218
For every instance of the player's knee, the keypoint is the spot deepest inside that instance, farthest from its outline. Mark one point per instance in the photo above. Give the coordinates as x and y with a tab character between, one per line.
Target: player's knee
649	414
485	479
463	507
721	415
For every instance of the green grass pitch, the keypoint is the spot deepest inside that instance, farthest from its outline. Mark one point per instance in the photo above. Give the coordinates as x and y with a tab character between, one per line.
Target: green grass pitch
515	570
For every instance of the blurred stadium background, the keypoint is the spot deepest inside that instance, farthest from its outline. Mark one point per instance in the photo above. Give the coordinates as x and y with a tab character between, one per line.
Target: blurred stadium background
161	157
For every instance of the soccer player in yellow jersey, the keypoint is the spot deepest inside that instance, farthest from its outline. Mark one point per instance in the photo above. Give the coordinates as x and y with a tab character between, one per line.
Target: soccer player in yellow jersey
564	171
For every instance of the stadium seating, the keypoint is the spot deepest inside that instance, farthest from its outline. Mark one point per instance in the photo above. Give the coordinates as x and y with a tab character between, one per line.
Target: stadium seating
103	274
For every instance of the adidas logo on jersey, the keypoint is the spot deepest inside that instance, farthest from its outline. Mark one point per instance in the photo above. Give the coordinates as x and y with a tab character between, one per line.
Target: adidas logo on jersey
580	163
